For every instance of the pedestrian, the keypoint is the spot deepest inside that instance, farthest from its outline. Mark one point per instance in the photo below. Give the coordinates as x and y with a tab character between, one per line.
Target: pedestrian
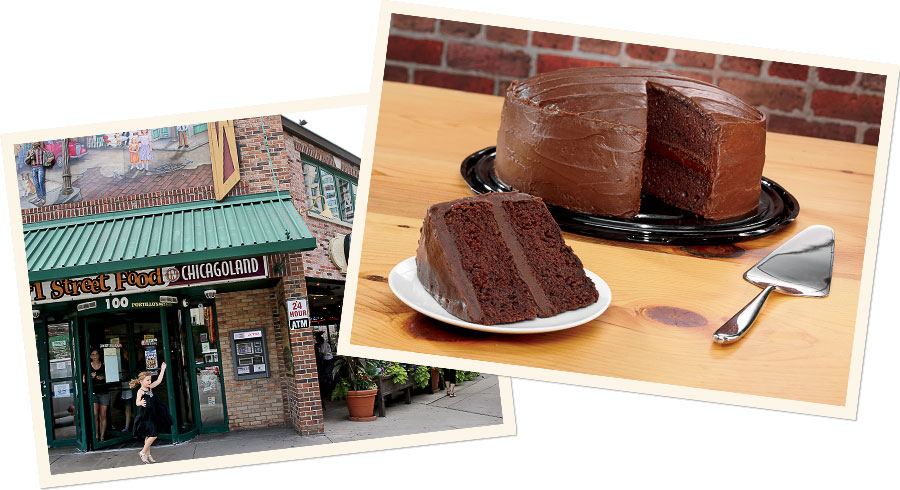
324	359
153	417
450	382
40	160
145	151
100	396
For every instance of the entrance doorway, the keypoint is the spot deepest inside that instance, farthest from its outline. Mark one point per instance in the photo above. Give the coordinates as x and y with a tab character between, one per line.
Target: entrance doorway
87	361
118	346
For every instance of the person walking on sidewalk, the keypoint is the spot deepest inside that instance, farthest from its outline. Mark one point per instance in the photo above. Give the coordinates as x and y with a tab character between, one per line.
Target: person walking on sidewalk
450	382
154	416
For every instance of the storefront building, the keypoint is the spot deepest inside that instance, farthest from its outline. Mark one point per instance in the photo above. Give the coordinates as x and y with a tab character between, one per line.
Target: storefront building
223	269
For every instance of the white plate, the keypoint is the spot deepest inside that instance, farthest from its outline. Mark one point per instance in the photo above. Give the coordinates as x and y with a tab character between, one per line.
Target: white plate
405	284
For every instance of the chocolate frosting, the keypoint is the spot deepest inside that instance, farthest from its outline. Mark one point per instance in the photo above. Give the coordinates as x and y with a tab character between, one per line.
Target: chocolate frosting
576	138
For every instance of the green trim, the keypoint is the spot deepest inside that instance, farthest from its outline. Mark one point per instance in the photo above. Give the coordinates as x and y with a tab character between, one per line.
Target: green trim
81	441
170	384
304	158
191	368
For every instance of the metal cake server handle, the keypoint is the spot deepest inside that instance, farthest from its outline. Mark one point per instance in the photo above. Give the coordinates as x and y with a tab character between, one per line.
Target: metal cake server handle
740	323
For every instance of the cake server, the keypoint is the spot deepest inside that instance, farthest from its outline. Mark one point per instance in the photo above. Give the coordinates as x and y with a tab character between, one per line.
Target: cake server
801	266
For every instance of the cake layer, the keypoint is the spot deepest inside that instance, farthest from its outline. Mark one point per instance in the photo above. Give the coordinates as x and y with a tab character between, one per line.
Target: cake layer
552	263
502	295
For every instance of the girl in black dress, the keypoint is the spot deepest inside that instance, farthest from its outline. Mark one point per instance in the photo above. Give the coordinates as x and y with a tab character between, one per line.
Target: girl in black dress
153	416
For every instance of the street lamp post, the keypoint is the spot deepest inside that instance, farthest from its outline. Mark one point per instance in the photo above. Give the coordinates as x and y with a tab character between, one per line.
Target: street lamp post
67	173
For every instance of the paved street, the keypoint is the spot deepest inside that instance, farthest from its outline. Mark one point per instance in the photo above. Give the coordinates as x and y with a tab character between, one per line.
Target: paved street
477	403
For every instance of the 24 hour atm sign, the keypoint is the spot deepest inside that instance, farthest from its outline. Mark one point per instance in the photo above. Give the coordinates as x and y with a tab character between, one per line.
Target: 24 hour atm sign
139	281
298	314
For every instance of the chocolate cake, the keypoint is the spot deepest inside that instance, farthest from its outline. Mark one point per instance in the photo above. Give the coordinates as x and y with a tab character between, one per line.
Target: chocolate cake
592	139
499	258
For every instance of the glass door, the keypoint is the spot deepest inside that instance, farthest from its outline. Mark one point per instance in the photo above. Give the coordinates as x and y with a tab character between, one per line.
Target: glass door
180	355
210	400
151	351
106	374
58	390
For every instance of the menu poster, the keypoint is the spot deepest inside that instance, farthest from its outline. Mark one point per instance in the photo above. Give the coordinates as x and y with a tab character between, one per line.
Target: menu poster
150	357
111	361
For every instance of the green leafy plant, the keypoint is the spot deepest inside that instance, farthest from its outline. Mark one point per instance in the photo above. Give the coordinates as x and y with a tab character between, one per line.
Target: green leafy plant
339	392
462	376
422	376
396	371
353	374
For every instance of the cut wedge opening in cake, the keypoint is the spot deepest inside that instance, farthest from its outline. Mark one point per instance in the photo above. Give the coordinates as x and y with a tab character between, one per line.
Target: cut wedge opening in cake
679	149
500	258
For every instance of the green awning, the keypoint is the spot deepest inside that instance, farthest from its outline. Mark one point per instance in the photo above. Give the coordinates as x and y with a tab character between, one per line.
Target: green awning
243	226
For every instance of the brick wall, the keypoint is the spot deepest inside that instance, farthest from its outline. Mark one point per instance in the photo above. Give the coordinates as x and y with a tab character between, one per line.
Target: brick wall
253	138
303	402
252	403
798	99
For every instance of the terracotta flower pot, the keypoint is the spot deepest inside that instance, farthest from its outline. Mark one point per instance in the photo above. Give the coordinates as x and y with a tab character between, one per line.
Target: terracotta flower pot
361	405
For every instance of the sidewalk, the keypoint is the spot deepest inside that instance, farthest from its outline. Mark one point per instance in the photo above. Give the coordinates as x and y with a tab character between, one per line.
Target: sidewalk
477	403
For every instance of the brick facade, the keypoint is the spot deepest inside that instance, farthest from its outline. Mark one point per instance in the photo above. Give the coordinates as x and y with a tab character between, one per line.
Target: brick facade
798	99
269	160
252	403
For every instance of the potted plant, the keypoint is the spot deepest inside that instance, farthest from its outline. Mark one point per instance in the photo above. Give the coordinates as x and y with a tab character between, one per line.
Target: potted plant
357	384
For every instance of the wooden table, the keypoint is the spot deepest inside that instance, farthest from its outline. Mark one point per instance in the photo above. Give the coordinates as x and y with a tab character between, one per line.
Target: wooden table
666	300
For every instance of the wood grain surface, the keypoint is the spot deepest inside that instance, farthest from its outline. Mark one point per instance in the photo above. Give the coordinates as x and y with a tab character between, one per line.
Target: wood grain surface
666	300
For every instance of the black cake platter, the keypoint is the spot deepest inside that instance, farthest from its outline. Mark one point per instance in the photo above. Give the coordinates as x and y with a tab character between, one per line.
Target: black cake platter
656	222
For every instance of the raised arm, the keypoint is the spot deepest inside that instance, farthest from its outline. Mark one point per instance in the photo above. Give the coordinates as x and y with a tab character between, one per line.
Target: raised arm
162	372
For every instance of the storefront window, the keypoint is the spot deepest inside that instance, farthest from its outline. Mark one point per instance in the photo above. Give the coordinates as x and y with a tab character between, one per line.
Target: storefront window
339	190
313	190
206	343
346	200
330	191
212	404
208	370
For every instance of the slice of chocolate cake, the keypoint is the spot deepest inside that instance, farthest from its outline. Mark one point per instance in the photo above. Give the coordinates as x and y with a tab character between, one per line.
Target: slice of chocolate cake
499	258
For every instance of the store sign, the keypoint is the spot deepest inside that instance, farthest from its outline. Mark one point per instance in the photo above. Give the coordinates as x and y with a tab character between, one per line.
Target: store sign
298	314
146	280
